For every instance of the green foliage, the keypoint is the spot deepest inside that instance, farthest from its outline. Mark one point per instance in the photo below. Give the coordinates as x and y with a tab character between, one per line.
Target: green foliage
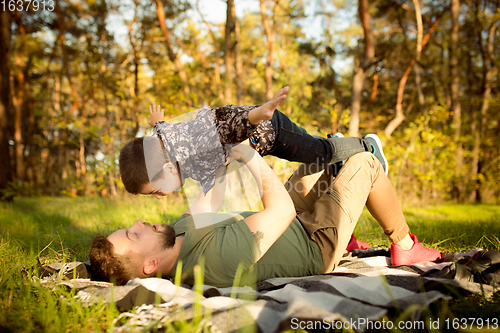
82	105
423	161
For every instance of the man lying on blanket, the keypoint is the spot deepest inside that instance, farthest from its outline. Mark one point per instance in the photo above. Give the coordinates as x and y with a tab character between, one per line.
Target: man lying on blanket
304	228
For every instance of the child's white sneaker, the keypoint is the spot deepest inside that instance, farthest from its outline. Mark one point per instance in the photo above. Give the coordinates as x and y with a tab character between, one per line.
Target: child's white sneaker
374	140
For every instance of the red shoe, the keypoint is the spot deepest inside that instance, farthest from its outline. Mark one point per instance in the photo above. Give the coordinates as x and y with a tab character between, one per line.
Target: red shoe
355	244
417	253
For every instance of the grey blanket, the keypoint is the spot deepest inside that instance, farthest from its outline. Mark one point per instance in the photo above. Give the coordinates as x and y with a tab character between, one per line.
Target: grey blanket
358	295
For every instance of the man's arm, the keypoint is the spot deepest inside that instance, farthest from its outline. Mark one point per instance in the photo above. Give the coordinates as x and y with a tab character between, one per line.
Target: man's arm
212	201
279	211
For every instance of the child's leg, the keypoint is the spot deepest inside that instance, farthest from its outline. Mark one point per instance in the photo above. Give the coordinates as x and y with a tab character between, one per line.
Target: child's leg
293	143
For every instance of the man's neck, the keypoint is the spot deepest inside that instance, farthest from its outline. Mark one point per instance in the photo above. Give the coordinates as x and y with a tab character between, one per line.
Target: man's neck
171	256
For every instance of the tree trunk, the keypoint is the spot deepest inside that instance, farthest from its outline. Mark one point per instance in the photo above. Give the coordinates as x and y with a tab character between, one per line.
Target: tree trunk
455	96
63	152
394	123
361	68
5	166
109	148
58	139
455	93
400	116
239	62
491	72
32	159
269	30
472	109
228	51
134	88
17	87
418	15
357	87
217	87
374	92
46	161
338	106
170	51
74	93
18	102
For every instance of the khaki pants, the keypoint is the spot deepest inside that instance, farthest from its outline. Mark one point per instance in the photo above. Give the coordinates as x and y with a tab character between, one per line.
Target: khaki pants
329	208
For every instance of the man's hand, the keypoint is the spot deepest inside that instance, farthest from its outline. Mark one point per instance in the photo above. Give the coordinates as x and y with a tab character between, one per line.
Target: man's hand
155	114
266	111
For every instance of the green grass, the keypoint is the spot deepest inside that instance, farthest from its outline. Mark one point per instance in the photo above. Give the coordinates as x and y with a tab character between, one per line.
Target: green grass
61	229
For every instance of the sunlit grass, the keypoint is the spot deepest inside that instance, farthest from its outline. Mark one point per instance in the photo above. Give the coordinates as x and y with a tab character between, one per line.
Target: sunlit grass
27	306
61	229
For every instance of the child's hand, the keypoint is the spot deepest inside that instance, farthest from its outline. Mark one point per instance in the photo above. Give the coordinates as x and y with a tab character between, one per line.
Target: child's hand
155	114
266	111
279	97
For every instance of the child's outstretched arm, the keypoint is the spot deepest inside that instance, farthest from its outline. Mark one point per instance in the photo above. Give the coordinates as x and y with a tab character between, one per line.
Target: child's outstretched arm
266	111
156	113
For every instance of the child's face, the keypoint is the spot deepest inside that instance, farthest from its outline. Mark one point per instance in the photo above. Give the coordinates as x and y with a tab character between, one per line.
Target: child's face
149	190
170	182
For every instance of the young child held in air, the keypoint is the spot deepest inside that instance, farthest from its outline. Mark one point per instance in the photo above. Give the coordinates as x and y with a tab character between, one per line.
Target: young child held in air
159	164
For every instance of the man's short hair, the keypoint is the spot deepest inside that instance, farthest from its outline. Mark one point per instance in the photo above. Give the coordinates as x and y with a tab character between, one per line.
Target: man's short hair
134	171
107	265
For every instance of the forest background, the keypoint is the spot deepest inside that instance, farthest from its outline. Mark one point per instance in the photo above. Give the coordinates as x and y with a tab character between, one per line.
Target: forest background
422	74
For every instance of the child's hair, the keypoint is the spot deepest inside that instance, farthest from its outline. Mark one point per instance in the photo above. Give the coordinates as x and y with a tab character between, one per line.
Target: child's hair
134	170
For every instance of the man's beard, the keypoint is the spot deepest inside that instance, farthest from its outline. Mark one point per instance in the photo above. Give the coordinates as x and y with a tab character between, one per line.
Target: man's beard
167	237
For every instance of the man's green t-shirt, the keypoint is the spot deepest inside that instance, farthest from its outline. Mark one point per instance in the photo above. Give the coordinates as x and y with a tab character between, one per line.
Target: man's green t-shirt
225	241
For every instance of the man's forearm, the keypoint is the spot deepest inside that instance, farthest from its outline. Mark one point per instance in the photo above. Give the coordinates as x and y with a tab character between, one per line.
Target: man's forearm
270	223
212	201
273	193
219	189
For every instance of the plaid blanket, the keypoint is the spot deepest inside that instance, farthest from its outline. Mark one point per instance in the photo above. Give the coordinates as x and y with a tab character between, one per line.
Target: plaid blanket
357	295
